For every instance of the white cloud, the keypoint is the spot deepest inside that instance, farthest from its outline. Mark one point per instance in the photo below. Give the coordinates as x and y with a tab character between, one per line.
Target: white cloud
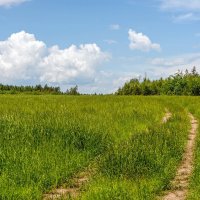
20	55
108	81
121	80
173	62
180	4
139	41
186	17
8	3
109	41
185	10
115	27
177	61
23	58
163	67
71	63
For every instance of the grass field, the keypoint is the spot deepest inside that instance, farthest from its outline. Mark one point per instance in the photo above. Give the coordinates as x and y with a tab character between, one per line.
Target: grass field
46	140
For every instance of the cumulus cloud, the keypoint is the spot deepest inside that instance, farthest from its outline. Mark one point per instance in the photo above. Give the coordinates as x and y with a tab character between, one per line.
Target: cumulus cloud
20	56
180	4
8	3
23	57
139	41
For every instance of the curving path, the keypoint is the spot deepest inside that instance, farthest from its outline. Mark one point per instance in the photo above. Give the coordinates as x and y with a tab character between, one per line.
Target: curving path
181	181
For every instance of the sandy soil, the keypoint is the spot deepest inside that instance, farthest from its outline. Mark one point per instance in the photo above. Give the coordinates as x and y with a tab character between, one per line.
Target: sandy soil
181	182
71	192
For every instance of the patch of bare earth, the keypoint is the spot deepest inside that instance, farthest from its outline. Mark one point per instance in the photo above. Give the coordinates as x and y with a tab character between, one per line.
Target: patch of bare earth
180	183
167	116
72	191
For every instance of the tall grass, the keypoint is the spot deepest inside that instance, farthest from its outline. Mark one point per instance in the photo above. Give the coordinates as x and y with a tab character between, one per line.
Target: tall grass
45	140
142	166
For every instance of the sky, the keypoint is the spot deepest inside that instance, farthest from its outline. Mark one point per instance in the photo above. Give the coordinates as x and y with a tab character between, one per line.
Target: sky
96	44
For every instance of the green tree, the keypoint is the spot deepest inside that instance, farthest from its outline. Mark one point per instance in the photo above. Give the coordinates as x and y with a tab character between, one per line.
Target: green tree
73	91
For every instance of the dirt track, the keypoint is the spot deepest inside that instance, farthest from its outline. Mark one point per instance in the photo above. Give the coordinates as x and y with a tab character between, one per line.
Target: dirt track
181	182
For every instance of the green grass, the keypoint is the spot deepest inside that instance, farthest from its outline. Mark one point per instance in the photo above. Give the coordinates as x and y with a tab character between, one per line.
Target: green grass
142	166
46	140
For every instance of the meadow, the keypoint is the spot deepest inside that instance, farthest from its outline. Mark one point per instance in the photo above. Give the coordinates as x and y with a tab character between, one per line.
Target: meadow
46	140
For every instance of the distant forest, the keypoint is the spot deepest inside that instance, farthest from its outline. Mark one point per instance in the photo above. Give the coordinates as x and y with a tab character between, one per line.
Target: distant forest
38	89
182	83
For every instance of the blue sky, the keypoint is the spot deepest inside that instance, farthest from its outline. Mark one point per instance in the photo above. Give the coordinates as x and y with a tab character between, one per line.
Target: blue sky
96	44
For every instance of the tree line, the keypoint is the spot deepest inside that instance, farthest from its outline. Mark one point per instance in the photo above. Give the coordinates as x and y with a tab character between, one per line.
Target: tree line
181	83
38	89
